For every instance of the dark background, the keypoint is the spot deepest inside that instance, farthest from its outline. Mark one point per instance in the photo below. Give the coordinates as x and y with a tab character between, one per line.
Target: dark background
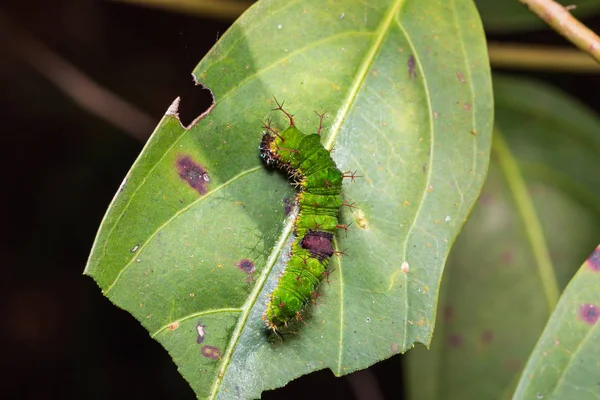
63	164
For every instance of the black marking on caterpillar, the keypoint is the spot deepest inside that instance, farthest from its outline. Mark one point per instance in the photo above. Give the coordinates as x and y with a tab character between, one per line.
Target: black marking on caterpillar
312	170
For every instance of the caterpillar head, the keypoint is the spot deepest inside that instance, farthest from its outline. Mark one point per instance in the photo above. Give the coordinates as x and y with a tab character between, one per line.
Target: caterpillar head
266	151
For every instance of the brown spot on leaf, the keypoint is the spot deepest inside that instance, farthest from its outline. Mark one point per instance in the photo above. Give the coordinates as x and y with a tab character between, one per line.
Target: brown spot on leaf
211	352
174	325
193	173
589	313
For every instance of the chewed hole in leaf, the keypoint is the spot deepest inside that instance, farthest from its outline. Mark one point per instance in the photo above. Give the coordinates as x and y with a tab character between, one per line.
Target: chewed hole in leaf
193	104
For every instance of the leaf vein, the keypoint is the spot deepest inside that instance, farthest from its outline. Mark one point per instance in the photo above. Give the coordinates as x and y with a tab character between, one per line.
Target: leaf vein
195	315
290	55
175	215
428	180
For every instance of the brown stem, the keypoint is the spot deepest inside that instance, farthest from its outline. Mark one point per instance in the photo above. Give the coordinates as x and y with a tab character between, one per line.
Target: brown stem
88	94
561	20
540	58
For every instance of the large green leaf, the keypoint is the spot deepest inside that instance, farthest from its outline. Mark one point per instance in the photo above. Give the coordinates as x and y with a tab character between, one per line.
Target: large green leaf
407	86
494	301
513	16
566	361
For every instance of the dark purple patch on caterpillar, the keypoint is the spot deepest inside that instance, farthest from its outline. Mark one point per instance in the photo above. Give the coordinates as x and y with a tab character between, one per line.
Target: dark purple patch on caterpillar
593	261
193	173
201	332
589	313
320	244
211	352
455	340
246	265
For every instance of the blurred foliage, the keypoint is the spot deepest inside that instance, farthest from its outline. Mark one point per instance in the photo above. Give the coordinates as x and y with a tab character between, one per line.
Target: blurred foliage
564	363
492	304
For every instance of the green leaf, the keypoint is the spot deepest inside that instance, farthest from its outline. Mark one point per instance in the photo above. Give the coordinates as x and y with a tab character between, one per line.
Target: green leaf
408	91
564	363
494	301
513	16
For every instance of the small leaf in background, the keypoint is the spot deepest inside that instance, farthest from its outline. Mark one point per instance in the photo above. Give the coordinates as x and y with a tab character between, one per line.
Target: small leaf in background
197	236
493	305
513	16
565	363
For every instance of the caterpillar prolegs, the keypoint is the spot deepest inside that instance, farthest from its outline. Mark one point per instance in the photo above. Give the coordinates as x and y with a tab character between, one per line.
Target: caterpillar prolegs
314	172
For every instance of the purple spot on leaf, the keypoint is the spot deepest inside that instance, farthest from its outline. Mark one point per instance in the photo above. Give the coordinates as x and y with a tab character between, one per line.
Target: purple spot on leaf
508	257
448	313
487	336
594	260
193	173
455	340
412	73
589	313
211	352
246	265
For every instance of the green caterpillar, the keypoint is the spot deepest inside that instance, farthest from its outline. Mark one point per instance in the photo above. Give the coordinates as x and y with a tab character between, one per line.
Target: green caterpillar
311	168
